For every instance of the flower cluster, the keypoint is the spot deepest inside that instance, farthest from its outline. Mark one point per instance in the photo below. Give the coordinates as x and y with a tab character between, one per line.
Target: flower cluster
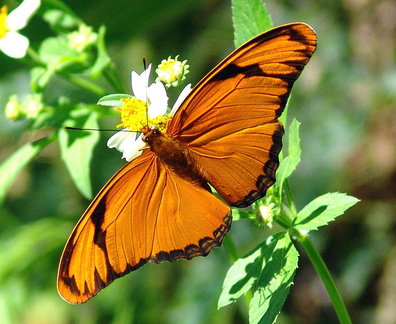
149	104
30	108
172	72
82	38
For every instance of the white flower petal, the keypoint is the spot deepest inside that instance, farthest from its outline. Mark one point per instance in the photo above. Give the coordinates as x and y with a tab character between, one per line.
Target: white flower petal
14	44
20	16
182	96
140	83
116	140
127	142
158	99
133	148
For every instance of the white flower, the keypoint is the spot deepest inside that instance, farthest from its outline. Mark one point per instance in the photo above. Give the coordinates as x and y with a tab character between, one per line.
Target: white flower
12	43
82	38
151	97
128	142
183	95
172	71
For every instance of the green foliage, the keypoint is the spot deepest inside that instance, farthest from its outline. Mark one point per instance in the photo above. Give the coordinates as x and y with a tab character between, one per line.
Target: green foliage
11	168
77	149
290	162
262	277
249	18
322	210
269	270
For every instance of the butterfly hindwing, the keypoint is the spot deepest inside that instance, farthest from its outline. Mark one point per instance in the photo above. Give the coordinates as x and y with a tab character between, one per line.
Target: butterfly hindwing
230	119
145	213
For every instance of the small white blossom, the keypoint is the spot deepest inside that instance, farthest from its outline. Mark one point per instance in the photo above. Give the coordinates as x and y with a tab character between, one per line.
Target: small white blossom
82	38
149	102
172	72
12	43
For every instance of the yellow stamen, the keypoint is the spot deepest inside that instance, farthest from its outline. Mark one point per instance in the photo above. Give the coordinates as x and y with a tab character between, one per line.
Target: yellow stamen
134	115
3	21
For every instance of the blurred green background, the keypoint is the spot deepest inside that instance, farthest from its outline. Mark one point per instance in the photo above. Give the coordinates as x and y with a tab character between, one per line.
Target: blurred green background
346	101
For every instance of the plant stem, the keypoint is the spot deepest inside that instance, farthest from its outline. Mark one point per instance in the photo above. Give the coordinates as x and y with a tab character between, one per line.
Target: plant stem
324	275
84	83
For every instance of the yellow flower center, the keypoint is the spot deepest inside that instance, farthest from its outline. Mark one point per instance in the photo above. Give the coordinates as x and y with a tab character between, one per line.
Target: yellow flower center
3	21
170	71
134	115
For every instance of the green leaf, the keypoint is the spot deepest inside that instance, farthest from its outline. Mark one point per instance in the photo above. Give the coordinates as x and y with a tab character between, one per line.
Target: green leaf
322	210
250	18
275	280
289	163
54	49
59	57
62	20
77	149
11	167
243	213
264	266
244	273
113	100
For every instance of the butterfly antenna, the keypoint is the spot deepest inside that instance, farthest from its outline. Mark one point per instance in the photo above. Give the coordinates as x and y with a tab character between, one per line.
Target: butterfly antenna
145	67
94	129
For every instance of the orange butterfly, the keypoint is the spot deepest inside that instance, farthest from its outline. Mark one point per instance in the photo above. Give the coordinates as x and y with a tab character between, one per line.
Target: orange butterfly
159	207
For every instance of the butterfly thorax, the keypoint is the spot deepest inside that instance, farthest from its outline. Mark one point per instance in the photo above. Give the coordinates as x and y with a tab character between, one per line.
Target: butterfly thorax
173	154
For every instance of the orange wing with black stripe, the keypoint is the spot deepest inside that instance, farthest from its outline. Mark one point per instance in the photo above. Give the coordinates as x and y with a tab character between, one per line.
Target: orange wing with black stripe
226	133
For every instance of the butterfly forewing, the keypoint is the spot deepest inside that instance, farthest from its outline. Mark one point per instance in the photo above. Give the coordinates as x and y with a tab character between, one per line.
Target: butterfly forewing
230	119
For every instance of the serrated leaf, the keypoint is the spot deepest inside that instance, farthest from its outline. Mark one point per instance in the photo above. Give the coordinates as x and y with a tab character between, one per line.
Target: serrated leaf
251	270
322	210
244	273
11	167
77	150
289	163
275	281
250	18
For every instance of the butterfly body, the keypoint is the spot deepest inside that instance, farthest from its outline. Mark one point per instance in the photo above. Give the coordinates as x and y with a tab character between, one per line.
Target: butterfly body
173	154
226	133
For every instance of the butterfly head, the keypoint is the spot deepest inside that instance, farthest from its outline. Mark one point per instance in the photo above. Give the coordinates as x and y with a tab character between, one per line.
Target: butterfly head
149	132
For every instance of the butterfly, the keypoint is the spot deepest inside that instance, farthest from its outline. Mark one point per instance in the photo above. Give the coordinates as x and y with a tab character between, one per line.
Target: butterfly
226	133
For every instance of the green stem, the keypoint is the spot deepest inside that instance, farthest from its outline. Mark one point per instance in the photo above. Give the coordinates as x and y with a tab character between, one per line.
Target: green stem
32	58
35	60
324	275
288	208
83	83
